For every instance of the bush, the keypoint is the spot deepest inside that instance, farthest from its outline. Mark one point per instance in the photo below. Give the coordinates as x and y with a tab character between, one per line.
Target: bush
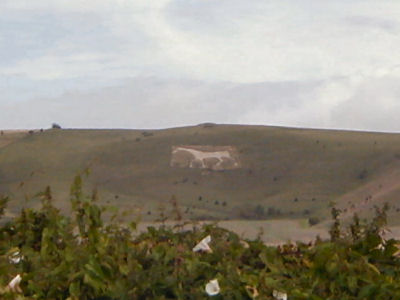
82	257
313	221
271	211
363	174
55	126
147	133
259	211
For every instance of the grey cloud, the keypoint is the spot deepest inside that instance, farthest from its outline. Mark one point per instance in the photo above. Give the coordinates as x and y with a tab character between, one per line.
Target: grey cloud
370	104
19	88
26	35
65	63
237	40
218	17
156	103
388	25
374	105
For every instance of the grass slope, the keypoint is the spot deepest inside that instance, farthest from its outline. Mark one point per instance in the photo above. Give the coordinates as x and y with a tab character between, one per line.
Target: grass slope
289	173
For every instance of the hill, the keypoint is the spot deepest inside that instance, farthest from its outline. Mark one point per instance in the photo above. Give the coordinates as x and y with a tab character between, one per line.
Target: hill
279	172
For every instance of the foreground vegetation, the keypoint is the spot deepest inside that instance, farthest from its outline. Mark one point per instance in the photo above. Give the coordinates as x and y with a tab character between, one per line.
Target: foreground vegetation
82	257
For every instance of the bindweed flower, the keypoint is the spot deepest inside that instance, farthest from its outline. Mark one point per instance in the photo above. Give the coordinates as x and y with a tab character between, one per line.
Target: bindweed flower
397	253
81	240
14	284
381	246
245	244
279	295
15	257
212	287
252	291
203	245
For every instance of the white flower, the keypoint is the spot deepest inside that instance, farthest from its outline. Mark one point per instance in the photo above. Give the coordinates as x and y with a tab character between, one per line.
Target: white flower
252	290
279	295
212	287
15	257
81	240
203	245
381	246
397	253
244	244
14	284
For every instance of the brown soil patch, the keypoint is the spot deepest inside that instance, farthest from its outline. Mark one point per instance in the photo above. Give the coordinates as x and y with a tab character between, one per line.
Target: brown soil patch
372	193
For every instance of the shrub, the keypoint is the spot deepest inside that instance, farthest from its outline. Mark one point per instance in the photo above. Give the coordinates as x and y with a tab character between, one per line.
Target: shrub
259	211
147	133
363	174
55	126
271	211
313	221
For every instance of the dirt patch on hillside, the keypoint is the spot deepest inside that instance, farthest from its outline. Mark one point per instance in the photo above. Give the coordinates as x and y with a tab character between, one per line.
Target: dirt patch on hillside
373	193
214	158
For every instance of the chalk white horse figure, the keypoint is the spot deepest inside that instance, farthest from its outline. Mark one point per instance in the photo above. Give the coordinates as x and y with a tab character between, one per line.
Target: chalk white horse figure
200	158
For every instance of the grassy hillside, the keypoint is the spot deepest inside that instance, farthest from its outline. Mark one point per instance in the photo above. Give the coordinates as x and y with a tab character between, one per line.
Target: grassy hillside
285	173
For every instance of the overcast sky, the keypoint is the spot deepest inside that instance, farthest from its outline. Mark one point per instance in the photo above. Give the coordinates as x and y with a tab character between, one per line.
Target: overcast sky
166	63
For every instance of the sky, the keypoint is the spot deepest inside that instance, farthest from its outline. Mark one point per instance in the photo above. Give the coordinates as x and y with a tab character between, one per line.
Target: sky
167	63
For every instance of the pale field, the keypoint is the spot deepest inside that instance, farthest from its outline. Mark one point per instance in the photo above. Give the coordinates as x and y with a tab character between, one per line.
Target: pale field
282	231
272	232
11	131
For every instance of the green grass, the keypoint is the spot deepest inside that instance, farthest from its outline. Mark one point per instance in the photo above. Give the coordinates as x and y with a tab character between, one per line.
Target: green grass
279	165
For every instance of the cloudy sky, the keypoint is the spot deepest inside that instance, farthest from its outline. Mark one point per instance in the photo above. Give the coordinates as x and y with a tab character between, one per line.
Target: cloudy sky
166	63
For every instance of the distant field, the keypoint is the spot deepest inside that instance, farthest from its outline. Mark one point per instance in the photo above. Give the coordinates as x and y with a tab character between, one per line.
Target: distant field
284	173
271	231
